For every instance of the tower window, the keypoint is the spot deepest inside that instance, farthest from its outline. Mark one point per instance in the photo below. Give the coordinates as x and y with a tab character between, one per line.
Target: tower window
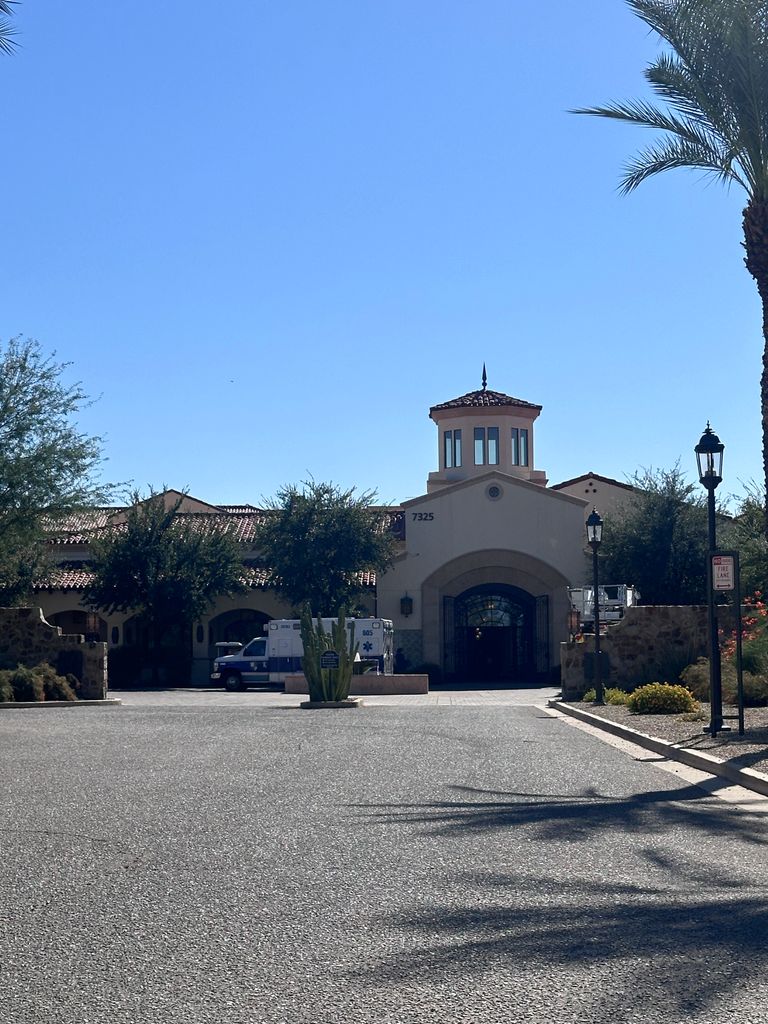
451	448
493	446
479	446
519	446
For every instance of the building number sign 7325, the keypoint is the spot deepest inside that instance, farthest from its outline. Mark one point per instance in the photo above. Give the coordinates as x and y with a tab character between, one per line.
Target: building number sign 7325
423	517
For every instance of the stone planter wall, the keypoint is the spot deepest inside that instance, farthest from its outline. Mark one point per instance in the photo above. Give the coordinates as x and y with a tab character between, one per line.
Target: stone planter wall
27	639
368	684
652	643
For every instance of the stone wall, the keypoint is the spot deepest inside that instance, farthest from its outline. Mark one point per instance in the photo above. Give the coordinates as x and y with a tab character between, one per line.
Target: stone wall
27	639
652	643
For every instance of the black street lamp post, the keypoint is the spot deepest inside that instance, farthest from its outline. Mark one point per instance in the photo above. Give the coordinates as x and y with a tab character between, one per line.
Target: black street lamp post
709	457
594	537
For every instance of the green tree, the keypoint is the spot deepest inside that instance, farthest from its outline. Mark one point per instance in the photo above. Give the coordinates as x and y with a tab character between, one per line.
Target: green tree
318	539
659	541
713	84
48	468
746	535
7	31
165	566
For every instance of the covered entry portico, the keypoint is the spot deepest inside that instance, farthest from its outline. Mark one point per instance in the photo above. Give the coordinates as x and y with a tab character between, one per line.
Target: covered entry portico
488	618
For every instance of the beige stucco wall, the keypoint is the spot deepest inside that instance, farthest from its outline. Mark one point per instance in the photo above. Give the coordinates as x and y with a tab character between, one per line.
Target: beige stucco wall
459	538
606	496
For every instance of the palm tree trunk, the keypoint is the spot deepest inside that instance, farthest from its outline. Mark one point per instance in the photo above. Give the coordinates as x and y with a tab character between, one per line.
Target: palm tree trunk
756	244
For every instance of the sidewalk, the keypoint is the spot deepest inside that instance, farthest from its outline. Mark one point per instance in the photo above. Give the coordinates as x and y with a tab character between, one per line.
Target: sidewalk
205	697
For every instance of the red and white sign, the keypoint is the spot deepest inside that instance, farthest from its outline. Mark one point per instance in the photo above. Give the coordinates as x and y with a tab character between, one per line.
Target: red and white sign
723	572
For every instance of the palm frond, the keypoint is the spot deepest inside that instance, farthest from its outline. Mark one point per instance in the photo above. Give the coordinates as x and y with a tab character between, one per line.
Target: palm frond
713	84
7	32
675	153
696	132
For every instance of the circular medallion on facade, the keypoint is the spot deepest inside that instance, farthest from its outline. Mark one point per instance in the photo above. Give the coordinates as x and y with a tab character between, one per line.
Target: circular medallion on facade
494	492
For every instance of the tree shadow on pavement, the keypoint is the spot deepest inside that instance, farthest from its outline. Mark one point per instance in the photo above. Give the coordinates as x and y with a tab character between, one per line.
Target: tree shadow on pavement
577	817
667	951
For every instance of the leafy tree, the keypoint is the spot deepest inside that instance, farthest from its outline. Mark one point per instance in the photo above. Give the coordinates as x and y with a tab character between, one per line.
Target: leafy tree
7	31
746	535
166	566
47	466
713	84
659	543
318	539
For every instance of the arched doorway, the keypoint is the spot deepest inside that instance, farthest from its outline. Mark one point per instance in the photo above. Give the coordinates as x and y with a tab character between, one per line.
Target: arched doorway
494	634
238	624
89	624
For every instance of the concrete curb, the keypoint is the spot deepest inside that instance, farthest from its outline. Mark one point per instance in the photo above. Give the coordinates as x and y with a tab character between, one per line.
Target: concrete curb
746	777
12	705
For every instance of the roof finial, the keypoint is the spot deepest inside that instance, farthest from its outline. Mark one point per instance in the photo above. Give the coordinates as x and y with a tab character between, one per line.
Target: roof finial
485	378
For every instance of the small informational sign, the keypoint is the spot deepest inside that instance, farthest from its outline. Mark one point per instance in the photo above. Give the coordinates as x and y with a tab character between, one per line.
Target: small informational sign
723	572
329	659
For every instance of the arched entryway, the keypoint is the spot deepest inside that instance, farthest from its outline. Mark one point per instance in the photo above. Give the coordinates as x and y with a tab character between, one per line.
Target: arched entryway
494	634
238	624
76	620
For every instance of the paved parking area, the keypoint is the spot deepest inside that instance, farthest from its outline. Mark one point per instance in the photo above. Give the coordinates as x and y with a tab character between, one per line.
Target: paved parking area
205	697
196	857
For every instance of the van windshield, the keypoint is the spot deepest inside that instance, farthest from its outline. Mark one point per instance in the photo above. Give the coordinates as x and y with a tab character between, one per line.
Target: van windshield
255	648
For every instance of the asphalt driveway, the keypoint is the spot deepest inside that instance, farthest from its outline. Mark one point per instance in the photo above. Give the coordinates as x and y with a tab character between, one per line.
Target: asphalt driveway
194	862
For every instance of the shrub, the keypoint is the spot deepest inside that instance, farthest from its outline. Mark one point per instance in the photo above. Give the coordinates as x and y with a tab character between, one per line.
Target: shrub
27	684
662	699
696	679
37	684
6	690
612	695
755	691
754	657
56	687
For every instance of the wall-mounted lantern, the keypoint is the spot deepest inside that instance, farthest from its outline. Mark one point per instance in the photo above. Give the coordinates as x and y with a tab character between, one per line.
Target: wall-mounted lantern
406	606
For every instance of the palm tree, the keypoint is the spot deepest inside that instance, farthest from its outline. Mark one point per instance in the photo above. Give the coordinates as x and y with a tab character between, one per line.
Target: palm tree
7	31
713	82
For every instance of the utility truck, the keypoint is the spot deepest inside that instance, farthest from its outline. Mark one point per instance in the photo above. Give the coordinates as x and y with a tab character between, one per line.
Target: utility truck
613	601
268	659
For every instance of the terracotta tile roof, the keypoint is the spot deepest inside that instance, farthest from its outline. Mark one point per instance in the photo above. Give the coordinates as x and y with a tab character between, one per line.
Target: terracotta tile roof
78	576
242	521
66	576
78	527
482	399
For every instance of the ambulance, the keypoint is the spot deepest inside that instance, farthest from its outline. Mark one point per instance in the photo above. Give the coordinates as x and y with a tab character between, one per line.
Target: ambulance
266	660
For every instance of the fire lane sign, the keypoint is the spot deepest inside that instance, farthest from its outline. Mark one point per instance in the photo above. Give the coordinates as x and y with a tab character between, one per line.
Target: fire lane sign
723	572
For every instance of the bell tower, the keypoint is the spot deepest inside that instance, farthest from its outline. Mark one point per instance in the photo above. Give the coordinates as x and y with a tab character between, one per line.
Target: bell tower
482	432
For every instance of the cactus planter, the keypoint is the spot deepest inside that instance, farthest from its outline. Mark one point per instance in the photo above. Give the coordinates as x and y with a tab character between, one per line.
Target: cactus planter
328	687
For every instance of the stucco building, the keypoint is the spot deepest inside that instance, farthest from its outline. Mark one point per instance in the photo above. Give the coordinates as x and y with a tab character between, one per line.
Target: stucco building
484	556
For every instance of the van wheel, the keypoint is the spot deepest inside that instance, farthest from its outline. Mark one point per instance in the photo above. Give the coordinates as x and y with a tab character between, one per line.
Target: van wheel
233	682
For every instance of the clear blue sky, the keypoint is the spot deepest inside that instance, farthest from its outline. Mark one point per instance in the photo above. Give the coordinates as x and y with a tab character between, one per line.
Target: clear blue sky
269	234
